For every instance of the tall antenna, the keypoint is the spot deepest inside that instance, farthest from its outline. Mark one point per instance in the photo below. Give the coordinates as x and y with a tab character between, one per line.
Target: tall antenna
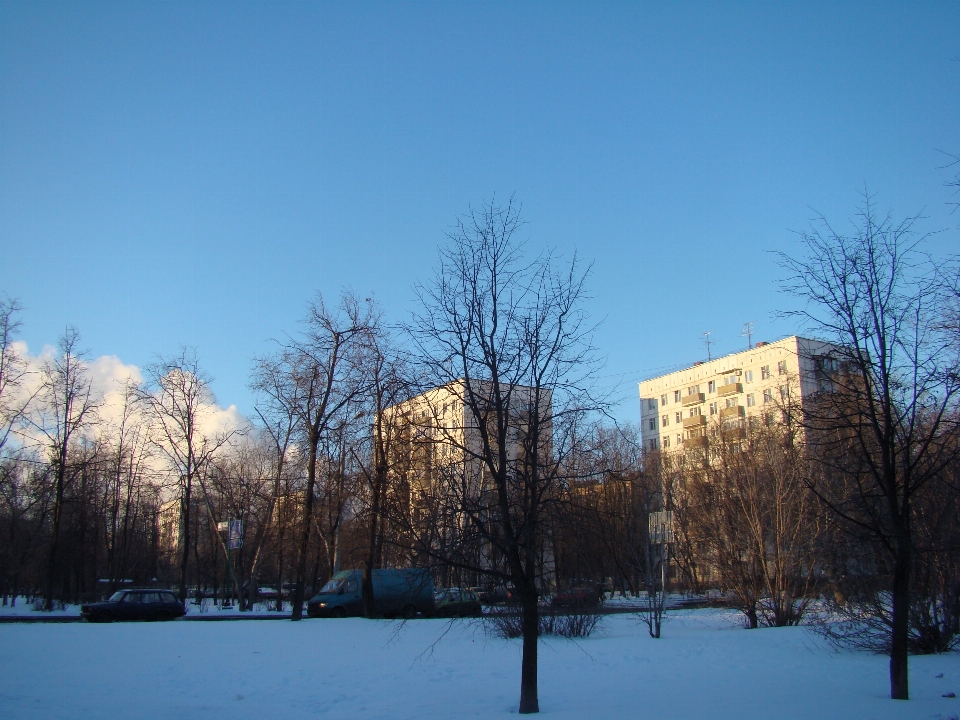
708	342
748	333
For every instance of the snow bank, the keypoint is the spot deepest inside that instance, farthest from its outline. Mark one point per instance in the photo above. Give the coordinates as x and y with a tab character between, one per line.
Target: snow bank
705	666
25	608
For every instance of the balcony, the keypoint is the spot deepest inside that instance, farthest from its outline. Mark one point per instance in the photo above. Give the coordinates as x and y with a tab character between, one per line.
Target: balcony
730	389
736	411
699	441
694	422
731	434
693	399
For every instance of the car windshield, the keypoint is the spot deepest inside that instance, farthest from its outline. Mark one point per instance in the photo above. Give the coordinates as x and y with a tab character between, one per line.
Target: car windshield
117	596
331	587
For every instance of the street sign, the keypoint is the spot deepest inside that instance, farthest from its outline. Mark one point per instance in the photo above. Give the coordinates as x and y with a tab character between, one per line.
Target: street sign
235	535
660	526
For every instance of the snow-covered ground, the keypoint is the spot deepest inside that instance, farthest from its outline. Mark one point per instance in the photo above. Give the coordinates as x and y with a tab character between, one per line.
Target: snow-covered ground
705	666
25	609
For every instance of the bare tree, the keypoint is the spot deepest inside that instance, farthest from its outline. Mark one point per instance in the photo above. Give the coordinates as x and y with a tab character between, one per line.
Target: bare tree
240	481
879	429
13	401
386	385
756	520
178	400
67	408
508	337
318	380
125	480
278	401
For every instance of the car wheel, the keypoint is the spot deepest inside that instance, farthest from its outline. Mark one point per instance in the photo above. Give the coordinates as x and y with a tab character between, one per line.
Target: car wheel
410	611
338	613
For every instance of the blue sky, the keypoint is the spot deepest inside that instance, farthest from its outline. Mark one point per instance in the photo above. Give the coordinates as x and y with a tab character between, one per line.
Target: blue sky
193	173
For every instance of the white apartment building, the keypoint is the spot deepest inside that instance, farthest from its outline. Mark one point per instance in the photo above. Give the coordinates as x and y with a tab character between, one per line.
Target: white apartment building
438	446
731	393
438	428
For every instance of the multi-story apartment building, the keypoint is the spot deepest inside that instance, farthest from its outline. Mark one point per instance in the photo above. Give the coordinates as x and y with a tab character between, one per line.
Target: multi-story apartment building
437	452
439	429
732	393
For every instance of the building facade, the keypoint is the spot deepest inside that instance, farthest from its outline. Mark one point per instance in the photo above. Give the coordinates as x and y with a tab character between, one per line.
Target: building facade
732	394
438	456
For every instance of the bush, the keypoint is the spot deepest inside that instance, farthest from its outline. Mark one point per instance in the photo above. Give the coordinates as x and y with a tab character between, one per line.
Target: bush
866	623
569	624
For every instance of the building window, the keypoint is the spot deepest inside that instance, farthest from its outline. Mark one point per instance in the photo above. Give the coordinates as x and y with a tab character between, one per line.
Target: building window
678	417
732	402
666	441
651	404
826	364
748	376
713	408
751	400
768	419
765	372
663	399
679	439
653	423
784	392
694	412
665	420
712	386
782	367
676	396
730	379
767	396
654	443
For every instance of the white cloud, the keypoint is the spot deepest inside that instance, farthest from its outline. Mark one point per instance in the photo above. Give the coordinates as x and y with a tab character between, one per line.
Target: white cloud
109	376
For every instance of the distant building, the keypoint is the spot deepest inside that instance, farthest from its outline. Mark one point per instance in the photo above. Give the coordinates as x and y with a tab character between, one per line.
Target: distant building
733	393
438	430
439	445
170	537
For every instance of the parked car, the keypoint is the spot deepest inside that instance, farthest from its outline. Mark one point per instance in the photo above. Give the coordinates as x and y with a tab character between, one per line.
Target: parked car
396	592
457	602
496	594
577	597
145	604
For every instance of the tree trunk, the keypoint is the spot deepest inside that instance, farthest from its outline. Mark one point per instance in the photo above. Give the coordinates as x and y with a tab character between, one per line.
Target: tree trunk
279	605
305	534
185	530
899	688
55	538
369	606
528	671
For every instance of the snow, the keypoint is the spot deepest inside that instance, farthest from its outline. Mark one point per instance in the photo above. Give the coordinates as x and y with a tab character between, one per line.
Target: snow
705	666
21	607
24	608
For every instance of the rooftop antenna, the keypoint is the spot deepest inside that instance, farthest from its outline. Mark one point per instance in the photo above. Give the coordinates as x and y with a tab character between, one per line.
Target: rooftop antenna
708	342
748	333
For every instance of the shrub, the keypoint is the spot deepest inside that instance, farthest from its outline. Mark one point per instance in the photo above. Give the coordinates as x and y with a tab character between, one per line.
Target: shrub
568	624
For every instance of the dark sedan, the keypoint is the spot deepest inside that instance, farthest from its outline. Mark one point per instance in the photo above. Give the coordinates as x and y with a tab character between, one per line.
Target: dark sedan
149	604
